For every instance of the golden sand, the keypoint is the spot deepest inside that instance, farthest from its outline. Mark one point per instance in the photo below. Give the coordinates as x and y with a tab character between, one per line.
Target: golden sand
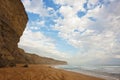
41	72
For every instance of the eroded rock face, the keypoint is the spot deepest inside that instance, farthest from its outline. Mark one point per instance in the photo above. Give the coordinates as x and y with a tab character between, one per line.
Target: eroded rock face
13	20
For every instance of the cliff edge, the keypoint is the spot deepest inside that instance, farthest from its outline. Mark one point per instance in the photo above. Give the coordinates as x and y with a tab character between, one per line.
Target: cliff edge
13	19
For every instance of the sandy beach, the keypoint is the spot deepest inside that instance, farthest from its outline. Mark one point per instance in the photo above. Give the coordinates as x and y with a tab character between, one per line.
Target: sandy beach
41	72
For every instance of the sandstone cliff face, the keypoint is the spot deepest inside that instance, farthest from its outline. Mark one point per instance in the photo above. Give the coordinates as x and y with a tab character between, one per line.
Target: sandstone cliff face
13	20
35	59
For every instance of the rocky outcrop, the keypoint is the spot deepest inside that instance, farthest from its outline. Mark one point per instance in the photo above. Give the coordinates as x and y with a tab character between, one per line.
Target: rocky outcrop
13	19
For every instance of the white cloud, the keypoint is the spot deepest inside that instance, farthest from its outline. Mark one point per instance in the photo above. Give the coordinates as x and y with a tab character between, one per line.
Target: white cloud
76	4
96	40
36	24
38	43
36	7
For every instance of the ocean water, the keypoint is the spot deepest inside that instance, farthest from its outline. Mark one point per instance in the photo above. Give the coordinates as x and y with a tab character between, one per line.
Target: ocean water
106	72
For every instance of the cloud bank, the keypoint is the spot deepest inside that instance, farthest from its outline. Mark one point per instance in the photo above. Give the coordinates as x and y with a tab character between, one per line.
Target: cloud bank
91	26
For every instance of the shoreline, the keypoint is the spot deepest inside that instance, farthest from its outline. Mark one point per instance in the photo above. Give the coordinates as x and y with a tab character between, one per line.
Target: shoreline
41	72
103	75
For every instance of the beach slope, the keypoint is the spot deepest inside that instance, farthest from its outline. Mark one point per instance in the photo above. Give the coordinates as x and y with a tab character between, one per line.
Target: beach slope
41	72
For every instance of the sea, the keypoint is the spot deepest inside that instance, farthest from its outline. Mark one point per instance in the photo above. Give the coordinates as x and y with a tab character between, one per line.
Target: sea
106	72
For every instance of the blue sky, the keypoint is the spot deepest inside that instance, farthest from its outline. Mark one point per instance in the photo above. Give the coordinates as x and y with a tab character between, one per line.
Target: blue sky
78	31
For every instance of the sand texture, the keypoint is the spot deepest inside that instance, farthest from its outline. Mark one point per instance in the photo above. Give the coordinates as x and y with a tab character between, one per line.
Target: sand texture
41	72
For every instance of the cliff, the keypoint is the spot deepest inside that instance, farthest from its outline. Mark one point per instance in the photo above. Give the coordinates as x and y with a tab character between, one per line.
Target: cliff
35	59
13	19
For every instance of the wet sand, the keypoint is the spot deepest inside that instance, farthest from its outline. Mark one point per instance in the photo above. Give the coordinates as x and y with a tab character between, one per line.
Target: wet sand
41	72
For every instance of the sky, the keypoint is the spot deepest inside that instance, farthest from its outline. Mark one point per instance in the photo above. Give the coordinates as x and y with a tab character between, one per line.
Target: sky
77	31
